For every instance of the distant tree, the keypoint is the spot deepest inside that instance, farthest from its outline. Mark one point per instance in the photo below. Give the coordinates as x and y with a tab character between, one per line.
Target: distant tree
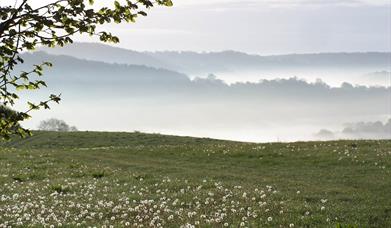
55	125
23	27
325	134
73	128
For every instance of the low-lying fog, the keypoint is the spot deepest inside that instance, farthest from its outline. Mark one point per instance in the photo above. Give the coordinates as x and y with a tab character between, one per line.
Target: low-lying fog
225	121
100	96
236	115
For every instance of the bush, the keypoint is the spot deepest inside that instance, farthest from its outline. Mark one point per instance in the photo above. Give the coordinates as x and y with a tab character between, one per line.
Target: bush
9	123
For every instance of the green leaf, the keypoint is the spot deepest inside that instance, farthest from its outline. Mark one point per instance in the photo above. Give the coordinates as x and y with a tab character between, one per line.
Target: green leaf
117	5
168	3
20	87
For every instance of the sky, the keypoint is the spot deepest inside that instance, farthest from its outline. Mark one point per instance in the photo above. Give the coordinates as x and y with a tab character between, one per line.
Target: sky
262	26
258	26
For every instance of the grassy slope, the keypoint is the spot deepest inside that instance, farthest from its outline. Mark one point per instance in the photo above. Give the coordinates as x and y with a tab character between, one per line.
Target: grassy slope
354	177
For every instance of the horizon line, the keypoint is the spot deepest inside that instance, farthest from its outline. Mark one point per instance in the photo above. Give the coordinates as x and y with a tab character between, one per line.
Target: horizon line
228	50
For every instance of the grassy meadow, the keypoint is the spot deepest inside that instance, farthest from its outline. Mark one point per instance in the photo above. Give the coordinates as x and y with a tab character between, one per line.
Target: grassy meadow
149	180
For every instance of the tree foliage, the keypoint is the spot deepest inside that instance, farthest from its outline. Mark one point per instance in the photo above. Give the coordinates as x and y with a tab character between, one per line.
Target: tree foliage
54	124
24	27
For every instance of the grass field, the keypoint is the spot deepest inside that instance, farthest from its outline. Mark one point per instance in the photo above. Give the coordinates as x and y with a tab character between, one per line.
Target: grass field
142	180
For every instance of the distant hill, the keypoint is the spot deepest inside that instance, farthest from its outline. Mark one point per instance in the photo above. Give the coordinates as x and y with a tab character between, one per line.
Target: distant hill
73	75
76	72
209	62
109	54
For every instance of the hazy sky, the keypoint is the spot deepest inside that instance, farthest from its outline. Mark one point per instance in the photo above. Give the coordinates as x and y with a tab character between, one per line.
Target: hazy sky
263	26
259	26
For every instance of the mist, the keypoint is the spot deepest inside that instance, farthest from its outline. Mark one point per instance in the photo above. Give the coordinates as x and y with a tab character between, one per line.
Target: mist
99	96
